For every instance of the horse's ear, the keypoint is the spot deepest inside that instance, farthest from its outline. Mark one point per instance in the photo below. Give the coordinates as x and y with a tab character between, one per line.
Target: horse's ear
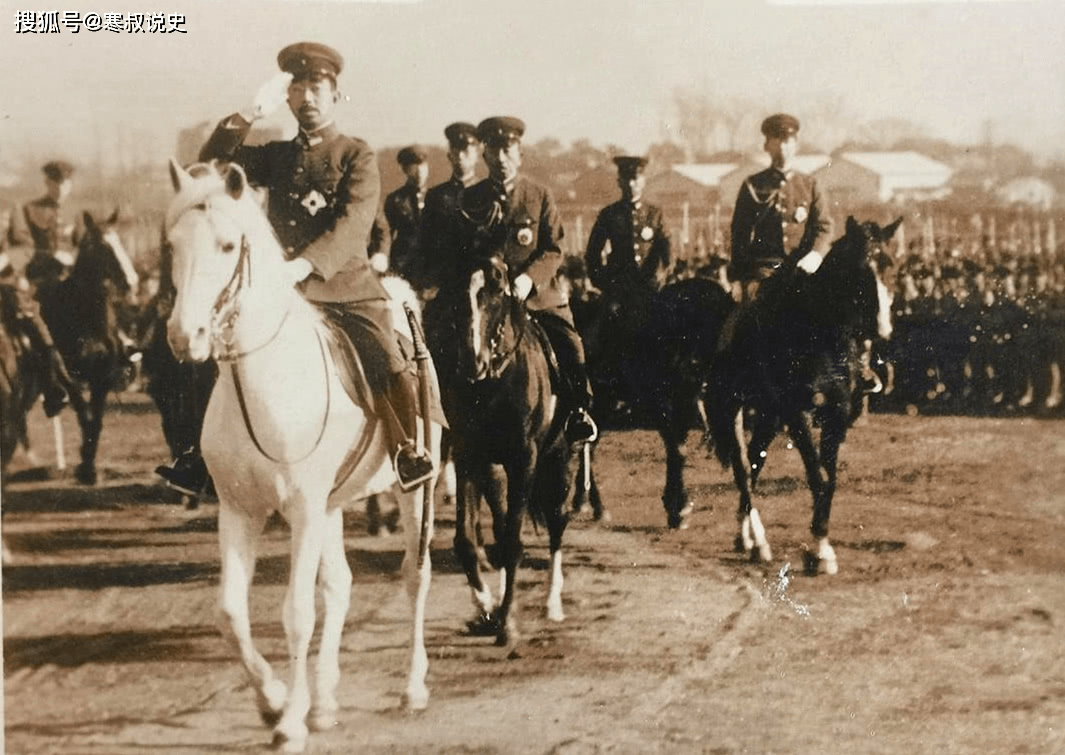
179	177
889	230
236	181
852	225
90	222
113	219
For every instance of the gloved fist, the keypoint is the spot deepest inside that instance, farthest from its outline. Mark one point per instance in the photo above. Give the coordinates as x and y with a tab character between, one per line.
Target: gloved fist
810	262
298	269
269	98
522	286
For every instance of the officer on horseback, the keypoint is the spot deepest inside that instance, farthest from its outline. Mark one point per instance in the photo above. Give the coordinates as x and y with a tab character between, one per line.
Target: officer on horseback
511	215
35	251
324	189
781	213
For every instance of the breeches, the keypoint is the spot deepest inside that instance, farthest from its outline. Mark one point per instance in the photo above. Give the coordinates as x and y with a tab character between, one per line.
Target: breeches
569	350
369	326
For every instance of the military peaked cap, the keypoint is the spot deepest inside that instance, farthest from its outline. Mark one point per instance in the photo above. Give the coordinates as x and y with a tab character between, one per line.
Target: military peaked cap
629	165
305	59
780	126
501	130
411	155
58	170
460	134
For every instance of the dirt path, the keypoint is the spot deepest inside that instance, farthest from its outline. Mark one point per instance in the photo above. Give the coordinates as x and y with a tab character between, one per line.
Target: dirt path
941	633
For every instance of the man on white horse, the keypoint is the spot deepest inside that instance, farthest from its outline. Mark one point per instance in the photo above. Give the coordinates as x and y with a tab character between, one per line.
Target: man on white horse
324	189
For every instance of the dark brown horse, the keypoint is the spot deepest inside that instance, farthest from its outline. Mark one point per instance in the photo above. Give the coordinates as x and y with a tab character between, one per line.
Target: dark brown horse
82	313
791	359
508	444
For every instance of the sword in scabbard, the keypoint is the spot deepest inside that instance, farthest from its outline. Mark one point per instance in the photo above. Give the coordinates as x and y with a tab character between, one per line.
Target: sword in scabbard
425	441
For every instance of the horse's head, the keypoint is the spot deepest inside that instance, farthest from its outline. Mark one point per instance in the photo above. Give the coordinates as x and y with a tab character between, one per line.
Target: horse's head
489	338
856	266
213	224
102	259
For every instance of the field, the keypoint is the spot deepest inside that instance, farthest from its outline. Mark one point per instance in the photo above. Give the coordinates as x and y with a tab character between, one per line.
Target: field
941	633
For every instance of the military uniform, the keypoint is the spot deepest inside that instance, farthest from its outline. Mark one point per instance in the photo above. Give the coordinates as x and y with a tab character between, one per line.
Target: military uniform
777	215
628	248
403	209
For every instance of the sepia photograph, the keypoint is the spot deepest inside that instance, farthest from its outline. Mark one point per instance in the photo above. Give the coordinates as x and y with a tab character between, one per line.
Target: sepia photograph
546	378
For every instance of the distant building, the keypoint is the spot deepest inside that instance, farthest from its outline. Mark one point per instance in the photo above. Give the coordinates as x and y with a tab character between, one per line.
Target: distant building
862	178
698	184
1028	191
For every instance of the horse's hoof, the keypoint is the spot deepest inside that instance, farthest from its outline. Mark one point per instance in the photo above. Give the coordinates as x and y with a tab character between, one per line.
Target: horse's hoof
508	635
286	743
738	545
85	474
814	565
484	625
270	717
416	700
322	720
603	516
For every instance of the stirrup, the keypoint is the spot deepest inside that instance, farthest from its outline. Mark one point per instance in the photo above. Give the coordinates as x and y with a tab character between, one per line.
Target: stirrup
412	469
870	385
581	428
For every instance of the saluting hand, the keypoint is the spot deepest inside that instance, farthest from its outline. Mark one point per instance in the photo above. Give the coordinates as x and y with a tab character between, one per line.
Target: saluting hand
270	97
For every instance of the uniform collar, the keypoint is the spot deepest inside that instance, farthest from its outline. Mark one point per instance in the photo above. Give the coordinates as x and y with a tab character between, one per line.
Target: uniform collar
309	139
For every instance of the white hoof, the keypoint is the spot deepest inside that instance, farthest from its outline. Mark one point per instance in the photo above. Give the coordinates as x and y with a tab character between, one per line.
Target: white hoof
555	613
828	566
416	699
322	719
272	701
289	742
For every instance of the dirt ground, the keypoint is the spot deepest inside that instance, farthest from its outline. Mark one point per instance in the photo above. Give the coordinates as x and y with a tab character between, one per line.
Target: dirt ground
941	633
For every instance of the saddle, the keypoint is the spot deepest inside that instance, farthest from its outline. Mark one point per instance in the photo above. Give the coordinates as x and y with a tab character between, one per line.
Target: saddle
357	387
559	382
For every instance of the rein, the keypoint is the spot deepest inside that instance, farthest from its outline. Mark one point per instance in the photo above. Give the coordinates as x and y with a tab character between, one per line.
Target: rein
499	360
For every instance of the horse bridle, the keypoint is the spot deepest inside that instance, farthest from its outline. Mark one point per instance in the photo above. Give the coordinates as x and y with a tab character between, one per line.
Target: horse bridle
224	315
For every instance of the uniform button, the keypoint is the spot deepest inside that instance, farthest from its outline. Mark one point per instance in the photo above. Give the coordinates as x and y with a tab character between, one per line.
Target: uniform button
299	170
289	249
292	222
638	258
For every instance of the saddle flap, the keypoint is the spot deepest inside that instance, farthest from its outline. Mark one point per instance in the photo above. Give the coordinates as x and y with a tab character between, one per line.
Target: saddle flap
349	366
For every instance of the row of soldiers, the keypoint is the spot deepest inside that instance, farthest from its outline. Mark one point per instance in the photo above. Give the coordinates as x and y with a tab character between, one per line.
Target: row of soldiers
978	337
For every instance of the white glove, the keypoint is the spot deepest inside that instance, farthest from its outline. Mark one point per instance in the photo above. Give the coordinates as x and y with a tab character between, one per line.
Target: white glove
65	258
269	98
379	263
298	269
811	262
522	286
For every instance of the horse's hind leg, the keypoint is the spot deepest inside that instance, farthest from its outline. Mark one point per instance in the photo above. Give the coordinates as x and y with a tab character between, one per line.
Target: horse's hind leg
238	537
832	435
336	598
550	493
417	572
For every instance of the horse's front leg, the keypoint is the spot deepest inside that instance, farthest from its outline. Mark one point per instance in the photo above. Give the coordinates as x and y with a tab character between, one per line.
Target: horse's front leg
417	572
751	538
238	538
674	432
336	598
307	518
801	431
519	489
470	551
551	491
833	433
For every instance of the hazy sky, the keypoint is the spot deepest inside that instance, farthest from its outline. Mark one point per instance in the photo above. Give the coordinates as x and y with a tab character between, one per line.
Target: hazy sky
601	69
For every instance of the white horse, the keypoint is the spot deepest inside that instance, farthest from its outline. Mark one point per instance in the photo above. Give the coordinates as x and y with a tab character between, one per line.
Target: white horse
278	427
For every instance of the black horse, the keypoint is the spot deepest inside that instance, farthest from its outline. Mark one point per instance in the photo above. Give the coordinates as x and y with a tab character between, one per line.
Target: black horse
792	359
654	355
508	444
18	387
82	313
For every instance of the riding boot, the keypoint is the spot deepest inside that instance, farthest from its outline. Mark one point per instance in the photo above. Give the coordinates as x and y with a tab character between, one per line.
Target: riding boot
400	412
869	382
580	427
58	385
188	474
